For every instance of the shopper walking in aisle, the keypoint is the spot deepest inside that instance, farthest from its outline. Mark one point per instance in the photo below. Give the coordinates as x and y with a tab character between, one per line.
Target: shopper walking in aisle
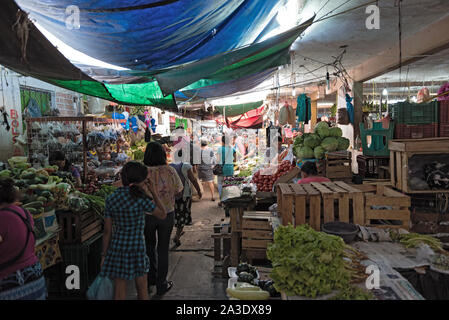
124	254
183	202
227	158
21	276
205	169
158	232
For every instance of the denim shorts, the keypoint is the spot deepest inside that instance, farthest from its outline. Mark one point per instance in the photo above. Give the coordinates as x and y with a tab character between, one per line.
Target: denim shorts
25	284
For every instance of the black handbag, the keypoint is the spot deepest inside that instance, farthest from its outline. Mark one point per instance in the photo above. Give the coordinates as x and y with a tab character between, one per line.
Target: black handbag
218	169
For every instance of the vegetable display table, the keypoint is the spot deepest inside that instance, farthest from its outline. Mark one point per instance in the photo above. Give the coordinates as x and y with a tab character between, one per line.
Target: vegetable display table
47	250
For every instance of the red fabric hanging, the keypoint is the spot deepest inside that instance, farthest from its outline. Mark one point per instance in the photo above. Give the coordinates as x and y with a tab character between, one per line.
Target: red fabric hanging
252	119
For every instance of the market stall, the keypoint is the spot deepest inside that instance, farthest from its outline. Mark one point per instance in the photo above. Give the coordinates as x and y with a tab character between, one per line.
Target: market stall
65	218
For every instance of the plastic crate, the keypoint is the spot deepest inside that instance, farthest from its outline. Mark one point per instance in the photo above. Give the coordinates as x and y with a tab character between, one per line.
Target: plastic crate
368	165
415	113
87	257
379	139
444	130
419	131
444	112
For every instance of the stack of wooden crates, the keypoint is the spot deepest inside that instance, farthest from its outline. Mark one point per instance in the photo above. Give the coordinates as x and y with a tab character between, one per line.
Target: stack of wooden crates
257	232
366	205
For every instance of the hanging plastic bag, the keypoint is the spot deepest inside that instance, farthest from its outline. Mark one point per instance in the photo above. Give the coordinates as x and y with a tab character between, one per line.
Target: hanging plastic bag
283	115
101	289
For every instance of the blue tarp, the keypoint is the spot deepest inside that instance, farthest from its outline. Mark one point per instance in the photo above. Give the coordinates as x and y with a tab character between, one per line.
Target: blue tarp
150	34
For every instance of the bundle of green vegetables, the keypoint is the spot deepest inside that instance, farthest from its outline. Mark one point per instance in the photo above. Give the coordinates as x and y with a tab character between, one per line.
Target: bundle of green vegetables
105	191
353	293
413	240
307	262
324	139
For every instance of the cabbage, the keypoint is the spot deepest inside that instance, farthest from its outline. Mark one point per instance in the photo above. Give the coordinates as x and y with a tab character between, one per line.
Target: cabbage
297	151
322	129
335	132
306	153
330	144
312	141
319	152
343	144
299	141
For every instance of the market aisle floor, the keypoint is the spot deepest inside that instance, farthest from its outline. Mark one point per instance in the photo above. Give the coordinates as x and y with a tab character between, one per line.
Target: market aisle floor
192	263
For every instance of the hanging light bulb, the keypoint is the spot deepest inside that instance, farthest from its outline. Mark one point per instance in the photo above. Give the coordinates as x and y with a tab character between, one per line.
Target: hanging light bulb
293	92
385	92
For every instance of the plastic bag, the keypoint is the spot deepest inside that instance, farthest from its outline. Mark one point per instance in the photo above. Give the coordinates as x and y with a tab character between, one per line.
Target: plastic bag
101	289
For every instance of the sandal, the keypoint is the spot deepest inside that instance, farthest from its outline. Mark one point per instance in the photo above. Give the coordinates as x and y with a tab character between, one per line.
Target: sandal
212	199
167	289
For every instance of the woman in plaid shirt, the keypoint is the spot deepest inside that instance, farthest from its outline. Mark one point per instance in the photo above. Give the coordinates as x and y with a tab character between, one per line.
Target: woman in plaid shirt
124	252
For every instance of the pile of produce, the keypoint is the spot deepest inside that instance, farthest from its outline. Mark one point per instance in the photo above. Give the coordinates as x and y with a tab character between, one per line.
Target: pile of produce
244	173
441	261
315	145
266	182
232	181
413	240
353	293
307	262
244	291
105	191
247	287
90	186
137	151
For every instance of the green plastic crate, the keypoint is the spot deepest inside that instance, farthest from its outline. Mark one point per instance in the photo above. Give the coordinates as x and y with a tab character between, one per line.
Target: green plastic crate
415	113
379	139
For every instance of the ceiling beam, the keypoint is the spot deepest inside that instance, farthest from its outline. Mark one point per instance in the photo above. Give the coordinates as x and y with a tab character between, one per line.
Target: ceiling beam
431	40
420	84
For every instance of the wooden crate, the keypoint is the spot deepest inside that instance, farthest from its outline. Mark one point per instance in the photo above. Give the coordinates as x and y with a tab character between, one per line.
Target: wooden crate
257	233
338	165
78	227
398	204
318	203
400	153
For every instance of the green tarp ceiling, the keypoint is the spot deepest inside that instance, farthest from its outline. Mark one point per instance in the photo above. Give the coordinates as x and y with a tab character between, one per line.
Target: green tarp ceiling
238	109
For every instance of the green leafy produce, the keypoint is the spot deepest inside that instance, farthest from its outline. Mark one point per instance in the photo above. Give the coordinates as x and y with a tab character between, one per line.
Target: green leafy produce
335	132
299	141
245	173
307	262
319	152
330	144
322	129
5	174
343	144
353	293
97	204
306	153
138	155
105	191
413	240
312	141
